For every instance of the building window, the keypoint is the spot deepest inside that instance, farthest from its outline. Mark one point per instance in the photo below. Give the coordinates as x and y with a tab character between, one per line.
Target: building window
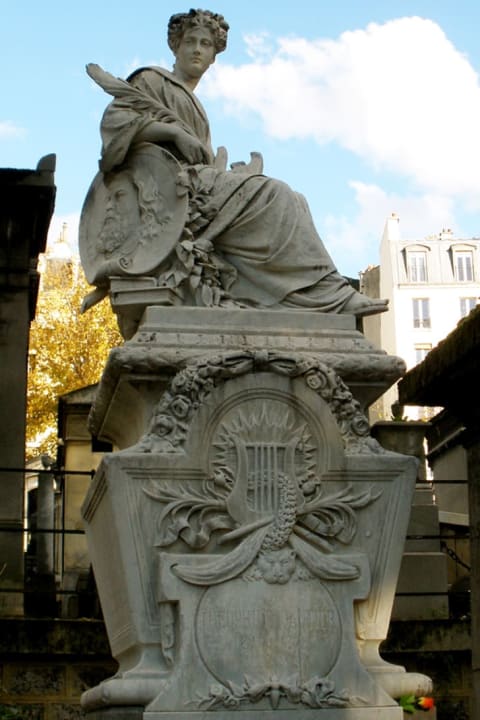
463	266
417	266
421	313
421	351
466	305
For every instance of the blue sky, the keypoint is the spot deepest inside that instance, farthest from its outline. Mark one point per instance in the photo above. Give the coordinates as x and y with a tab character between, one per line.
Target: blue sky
365	107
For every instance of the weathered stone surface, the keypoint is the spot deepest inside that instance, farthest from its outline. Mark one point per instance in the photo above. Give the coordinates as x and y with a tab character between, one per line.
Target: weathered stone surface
26	208
84	676
261	466
168	339
422	572
47	637
440	649
65	712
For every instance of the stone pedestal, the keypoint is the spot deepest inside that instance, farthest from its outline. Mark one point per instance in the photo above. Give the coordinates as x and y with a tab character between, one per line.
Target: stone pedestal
247	538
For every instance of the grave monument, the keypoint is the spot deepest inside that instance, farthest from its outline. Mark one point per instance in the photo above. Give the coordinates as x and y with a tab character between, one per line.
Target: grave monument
246	535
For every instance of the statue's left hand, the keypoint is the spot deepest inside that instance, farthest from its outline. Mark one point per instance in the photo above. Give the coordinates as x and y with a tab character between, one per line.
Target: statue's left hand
190	147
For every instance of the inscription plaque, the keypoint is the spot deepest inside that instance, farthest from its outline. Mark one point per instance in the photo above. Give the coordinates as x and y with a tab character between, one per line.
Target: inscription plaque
263	630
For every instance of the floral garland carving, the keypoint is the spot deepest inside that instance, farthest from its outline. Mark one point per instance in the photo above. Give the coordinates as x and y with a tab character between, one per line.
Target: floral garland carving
196	266
171	417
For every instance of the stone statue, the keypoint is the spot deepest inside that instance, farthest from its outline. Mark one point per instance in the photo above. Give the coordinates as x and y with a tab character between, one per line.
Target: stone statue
164	206
255	528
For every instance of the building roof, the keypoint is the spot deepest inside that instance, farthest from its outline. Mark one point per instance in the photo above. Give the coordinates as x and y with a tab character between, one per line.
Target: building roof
449	375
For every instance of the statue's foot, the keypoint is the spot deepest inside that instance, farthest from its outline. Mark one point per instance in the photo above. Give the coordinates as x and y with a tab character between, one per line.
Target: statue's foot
361	306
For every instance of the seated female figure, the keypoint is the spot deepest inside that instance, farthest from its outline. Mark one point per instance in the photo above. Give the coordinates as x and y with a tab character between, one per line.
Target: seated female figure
255	232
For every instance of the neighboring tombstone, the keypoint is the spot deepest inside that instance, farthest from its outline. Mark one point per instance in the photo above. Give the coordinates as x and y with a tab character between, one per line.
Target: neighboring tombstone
27	201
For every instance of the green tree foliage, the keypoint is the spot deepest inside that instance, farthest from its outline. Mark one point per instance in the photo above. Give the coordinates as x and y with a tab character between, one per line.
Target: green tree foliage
67	350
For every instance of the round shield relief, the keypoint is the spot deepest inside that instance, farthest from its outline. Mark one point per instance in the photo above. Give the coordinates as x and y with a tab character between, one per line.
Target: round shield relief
132	217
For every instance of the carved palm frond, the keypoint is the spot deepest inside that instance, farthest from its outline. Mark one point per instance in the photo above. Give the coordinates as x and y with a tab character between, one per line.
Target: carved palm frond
123	90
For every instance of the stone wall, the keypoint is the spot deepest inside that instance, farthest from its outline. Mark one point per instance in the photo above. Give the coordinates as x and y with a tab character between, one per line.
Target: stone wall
45	665
441	649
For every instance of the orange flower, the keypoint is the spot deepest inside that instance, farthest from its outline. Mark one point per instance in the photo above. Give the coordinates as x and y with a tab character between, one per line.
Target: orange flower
425	703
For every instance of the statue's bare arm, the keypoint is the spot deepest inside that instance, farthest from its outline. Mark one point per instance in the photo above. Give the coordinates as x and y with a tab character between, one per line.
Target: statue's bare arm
188	145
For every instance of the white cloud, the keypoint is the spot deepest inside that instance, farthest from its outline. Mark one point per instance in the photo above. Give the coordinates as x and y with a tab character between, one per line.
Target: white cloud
9	130
352	239
137	63
259	45
398	95
132	65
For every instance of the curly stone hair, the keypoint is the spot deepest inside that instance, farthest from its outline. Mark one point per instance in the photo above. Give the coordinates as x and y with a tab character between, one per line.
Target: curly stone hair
198	18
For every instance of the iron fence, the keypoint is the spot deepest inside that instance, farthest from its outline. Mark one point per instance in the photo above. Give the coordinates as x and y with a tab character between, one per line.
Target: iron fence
62	588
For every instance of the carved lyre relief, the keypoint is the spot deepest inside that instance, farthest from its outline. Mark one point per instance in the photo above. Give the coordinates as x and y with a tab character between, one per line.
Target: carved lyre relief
263	498
266	521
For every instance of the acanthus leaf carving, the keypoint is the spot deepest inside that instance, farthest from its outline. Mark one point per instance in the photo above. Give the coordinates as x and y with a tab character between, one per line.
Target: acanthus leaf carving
190	513
317	692
333	516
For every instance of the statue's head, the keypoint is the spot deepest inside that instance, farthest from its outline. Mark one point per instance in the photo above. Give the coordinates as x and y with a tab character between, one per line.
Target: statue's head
214	22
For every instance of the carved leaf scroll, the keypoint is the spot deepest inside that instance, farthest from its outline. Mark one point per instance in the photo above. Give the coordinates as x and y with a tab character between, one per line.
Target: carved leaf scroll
191	512
137	99
224	567
316	692
323	566
332	517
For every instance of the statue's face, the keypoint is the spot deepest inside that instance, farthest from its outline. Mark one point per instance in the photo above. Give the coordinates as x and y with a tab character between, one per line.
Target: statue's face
122	216
122	199
277	566
195	53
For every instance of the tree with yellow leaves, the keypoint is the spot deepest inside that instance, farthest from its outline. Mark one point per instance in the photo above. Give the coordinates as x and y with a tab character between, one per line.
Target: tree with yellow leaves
67	350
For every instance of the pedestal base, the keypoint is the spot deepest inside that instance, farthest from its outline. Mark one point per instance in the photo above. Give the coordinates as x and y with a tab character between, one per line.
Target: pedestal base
378	713
259	528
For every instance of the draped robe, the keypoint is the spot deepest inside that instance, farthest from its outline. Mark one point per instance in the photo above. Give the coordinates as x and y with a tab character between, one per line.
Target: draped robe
256	224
